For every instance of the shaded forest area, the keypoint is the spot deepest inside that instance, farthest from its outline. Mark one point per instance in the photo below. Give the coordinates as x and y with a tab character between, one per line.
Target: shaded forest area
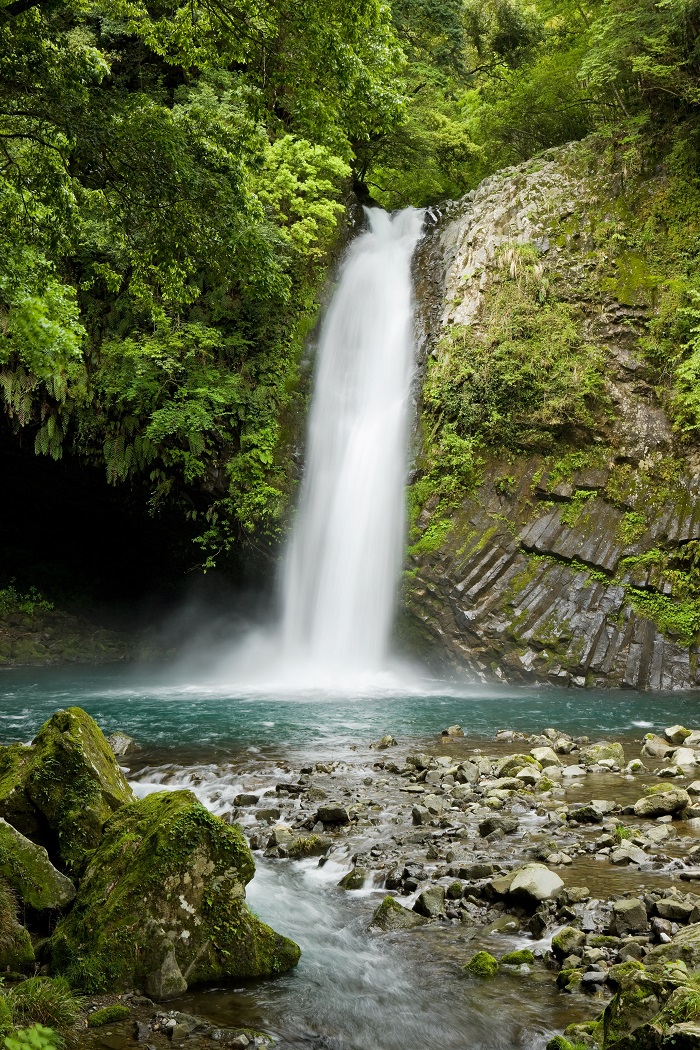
176	180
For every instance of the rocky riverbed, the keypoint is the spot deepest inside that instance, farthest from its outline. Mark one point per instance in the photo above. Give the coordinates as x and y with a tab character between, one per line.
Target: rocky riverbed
553	875
566	861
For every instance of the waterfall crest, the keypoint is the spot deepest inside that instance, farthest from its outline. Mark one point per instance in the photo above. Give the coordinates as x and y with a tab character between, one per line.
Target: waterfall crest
342	565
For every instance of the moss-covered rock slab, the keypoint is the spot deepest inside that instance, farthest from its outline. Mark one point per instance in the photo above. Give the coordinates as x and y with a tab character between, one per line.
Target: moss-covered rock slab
27	868
161	905
60	791
390	916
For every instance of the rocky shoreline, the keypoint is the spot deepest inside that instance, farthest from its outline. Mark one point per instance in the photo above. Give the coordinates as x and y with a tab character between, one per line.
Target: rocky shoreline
539	857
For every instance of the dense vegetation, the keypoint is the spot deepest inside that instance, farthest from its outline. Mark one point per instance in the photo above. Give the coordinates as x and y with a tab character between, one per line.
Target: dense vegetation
174	180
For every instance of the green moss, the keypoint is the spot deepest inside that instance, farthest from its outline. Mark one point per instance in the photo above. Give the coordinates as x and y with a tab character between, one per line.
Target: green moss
166	864
108	1014
573	510
518	957
69	780
482	965
679	618
631	528
27	869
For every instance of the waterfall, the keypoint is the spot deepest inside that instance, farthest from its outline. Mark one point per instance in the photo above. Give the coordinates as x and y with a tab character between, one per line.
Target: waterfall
342	566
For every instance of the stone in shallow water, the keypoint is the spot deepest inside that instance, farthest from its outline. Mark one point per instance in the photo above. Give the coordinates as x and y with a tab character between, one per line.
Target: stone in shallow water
431	902
535	883
676	734
332	814
390	916
628	917
603	750
628	853
662	803
506	824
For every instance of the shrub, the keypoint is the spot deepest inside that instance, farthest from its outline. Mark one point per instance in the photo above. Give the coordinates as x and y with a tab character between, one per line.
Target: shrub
44	1001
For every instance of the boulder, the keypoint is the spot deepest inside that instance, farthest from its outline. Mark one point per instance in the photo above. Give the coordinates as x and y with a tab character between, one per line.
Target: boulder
431	902
161	905
505	824
535	883
676	734
16	950
628	853
568	941
602	750
655	746
390	916
30	873
300	846
120	744
512	764
546	756
628	917
684	757
685	947
662	803
60	791
674	909
354	880
483	964
332	814
453	731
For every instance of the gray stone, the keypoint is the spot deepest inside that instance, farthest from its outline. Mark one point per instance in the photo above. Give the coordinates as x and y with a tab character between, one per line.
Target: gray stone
506	824
656	747
662	803
602	750
628	853
431	902
676	734
390	916
121	744
332	814
628	917
674	909
535	883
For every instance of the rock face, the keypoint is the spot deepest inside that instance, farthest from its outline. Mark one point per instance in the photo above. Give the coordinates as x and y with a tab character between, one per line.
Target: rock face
30	873
60	791
161	905
554	567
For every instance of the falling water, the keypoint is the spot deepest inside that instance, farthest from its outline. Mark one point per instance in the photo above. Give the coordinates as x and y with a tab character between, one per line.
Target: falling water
341	569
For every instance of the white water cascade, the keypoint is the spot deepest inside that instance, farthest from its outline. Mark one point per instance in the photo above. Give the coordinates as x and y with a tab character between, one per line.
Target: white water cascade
341	569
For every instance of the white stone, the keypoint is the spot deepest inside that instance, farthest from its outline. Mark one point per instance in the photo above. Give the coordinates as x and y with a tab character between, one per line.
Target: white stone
546	756
536	882
676	734
684	756
573	771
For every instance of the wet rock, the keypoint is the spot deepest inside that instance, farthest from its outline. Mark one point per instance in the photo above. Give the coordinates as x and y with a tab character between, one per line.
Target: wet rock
431	902
506	824
121	744
512	764
662	803
569	772
163	896
587	814
384	743
546	756
684	946
628	853
676	734
519	957
453	731
601	751
684	757
30	873
535	883
674	909
60	791
390	916
354	880
628	917
246	800
568	941
300	846
333	815
421	815
483	964
656	747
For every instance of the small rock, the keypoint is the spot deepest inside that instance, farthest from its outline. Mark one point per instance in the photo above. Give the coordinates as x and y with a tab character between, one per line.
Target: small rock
573	771
535	883
384	743
628	853
482	965
655	746
431	902
246	800
506	824
332	814
453	731
390	915
676	734
120	744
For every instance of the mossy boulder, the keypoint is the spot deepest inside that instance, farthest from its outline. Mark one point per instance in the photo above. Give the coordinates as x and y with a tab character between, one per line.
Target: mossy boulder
518	957
16	950
483	964
27	868
685	947
60	791
390	916
568	941
161	905
602	751
108	1015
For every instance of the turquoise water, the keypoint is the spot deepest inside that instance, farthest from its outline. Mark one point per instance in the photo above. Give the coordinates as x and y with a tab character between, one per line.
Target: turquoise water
161	708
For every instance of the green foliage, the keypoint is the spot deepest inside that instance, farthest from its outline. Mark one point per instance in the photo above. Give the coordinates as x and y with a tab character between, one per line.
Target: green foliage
44	1001
12	600
8	915
622	832
675	616
525	378
36	1037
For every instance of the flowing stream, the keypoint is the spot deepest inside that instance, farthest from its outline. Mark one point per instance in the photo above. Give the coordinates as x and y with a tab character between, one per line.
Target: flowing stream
341	569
